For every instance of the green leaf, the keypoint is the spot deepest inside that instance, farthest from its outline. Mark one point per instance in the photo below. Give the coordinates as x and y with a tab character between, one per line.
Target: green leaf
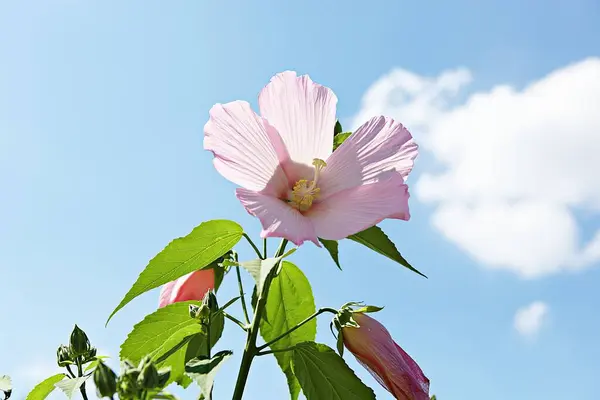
337	129
165	329
260	269
324	375
375	239
290	301
71	386
339	139
207	242
433	397
203	370
332	247
44	388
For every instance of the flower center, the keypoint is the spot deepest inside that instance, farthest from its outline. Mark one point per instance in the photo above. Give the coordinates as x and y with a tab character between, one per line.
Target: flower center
305	192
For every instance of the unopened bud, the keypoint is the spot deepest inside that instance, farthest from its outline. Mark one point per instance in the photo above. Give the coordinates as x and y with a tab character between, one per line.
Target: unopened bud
210	300
163	378
90	355
63	356
148	378
105	380
127	385
80	344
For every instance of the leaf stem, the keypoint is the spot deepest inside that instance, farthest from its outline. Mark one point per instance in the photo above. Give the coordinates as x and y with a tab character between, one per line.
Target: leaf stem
265	247
254	246
237	321
319	312
264	353
250	350
69	371
241	286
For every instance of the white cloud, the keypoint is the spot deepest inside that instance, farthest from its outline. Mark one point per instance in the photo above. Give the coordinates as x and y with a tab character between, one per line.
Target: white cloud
515	163
529	320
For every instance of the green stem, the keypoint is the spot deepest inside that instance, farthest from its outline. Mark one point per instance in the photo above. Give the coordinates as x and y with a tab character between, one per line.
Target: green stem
237	321
264	353
80	374
241	286
319	312
69	371
208	338
250	350
265	247
254	247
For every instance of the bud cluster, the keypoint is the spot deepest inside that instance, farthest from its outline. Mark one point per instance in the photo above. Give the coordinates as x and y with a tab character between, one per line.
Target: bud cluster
132	382
79	350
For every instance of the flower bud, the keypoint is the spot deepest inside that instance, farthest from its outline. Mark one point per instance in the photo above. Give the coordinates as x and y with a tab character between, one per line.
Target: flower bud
374	348
105	380
127	387
79	344
63	356
148	378
210	300
192	286
163	377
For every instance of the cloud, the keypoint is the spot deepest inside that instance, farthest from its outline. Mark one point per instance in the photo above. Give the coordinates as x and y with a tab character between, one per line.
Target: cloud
512	165
529	319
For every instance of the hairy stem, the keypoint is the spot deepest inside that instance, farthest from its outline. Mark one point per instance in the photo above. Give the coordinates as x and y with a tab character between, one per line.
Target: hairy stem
250	350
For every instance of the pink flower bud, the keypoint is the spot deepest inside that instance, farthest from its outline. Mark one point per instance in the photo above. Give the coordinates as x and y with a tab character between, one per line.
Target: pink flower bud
374	348
192	286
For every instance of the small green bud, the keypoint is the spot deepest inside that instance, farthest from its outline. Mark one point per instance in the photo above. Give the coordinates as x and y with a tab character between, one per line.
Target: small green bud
163	377
80	344
194	311
63	356
148	378
127	387
90	355
210	300
105	380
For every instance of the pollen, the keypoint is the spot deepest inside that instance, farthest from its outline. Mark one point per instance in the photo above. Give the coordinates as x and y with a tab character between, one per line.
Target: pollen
304	192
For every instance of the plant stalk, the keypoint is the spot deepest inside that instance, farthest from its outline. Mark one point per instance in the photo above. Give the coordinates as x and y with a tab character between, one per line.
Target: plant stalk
80	374
250	350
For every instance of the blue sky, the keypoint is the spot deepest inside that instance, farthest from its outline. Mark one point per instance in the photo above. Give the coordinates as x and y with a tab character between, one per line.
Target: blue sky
102	106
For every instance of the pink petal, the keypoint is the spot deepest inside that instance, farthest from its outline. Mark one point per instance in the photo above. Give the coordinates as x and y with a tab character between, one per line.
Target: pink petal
192	286
353	210
277	218
303	113
245	148
392	367
380	145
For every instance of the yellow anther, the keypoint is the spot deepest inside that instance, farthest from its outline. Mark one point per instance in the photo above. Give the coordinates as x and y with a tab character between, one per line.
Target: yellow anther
304	193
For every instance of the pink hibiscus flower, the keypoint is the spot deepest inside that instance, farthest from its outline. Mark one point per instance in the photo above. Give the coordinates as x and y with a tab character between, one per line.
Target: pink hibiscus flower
292	180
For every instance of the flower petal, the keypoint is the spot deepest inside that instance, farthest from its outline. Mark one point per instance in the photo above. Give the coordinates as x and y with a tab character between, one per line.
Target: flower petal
277	218
303	113
390	365
381	145
245	147
353	210
192	286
